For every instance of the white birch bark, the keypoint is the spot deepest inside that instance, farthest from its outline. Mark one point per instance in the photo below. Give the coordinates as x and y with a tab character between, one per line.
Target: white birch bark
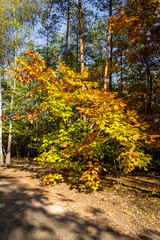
8	155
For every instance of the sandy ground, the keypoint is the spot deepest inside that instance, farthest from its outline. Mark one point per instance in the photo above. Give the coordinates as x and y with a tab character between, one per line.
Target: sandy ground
25	215
29	211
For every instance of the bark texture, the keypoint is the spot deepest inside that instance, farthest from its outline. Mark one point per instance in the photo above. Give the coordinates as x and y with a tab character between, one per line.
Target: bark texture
111	48
81	36
107	59
67	33
1	149
8	155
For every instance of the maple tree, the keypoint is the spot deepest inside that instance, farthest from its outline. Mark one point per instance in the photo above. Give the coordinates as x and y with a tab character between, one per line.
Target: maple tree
111	131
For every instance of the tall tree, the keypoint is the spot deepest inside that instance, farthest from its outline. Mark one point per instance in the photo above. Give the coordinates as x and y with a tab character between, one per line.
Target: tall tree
67	31
137	23
81	35
107	57
19	15
111	46
8	155
4	25
48	30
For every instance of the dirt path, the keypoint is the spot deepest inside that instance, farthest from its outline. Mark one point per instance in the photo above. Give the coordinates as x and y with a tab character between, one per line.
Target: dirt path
25	215
29	211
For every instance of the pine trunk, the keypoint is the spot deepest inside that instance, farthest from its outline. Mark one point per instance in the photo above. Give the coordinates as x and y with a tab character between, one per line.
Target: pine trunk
47	50
81	45
107	60
67	33
121	84
77	45
111	48
81	36
149	103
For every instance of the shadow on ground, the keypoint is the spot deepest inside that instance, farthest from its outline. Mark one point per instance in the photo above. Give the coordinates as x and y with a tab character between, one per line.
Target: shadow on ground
135	185
25	215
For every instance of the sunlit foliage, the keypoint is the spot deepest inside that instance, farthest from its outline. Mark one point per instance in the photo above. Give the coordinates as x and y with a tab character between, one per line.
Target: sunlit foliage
92	126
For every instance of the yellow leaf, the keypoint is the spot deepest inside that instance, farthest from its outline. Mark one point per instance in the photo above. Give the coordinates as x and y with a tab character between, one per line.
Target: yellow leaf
102	126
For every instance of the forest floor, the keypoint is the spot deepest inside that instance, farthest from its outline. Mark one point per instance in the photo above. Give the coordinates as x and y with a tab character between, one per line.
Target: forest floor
135	212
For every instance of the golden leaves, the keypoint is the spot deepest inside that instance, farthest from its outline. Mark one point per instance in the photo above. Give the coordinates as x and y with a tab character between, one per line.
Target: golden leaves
107	123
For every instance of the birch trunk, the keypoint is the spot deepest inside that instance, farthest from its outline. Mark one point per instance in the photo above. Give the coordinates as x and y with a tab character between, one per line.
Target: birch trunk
8	156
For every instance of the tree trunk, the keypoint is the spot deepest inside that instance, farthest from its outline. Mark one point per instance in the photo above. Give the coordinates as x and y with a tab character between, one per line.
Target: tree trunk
81	36
107	60
149	103
8	156
77	50
1	148
101	49
67	33
121	80
47	50
111	48
81	45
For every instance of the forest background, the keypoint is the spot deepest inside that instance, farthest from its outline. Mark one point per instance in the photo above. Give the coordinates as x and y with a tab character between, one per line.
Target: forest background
85	98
